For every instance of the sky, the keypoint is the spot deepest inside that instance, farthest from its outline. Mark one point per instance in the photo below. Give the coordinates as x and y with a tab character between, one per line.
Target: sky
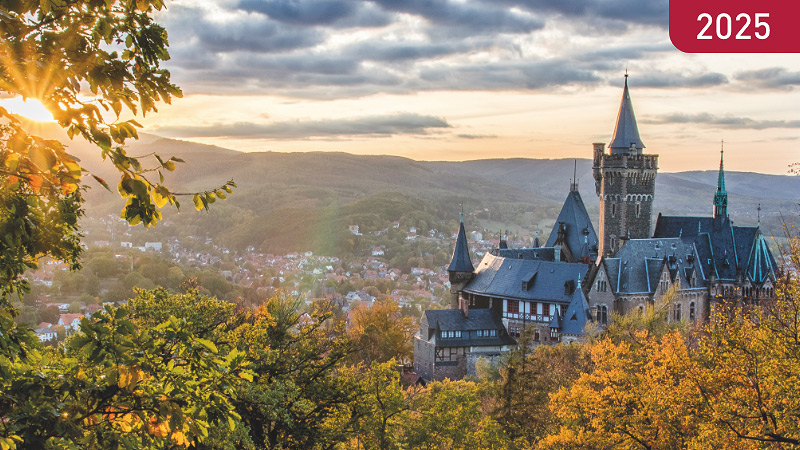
469	79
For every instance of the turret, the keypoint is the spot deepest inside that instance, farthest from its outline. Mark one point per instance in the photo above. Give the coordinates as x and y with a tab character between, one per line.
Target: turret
625	181
460	269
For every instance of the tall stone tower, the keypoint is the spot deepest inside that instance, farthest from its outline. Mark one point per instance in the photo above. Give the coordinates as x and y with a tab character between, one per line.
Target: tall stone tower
460	270
625	182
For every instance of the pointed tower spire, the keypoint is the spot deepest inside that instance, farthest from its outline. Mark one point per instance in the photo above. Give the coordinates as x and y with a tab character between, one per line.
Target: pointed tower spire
626	133
461	261
721	196
573	185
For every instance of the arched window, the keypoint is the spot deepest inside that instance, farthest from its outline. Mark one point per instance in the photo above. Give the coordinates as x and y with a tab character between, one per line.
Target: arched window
677	312
602	315
613	209
691	312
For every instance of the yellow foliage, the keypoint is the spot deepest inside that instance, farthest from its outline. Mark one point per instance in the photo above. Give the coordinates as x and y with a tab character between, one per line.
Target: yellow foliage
129	376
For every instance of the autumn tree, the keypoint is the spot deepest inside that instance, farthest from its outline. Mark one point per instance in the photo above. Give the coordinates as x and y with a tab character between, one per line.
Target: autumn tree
122	383
732	383
380	333
299	390
448	415
529	376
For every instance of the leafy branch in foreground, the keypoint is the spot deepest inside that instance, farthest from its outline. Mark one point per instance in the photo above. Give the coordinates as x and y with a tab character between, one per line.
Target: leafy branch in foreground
90	62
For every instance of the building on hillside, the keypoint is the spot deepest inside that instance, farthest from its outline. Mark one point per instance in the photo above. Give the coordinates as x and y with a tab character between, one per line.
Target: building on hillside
579	277
451	341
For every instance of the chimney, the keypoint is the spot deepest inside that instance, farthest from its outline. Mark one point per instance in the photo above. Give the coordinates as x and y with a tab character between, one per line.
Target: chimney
464	307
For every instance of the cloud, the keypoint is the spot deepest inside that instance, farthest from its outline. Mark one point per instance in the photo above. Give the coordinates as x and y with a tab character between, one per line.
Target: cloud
726	122
334	13
374	126
477	136
640	12
326	49
769	78
679	80
193	27
468	18
508	75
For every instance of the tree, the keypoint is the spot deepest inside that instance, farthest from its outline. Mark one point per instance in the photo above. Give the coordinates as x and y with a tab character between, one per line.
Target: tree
301	395
731	384
528	379
381	333
380	408
447	415
50	51
119	383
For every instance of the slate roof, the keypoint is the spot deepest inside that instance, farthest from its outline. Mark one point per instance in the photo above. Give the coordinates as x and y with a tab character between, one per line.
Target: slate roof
626	131
638	265
724	250
579	227
460	262
501	277
454	320
538	253
578	314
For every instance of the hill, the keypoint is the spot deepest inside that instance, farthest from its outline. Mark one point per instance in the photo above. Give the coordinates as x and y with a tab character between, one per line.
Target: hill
305	201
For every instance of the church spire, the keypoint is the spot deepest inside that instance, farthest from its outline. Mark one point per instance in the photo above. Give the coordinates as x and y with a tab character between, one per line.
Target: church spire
461	261
626	133
721	196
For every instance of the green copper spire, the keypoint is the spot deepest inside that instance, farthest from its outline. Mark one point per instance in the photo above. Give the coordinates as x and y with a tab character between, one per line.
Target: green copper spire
721	196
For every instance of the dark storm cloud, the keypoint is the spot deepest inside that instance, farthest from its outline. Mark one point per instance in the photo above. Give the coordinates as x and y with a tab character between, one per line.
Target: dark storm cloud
375	126
336	13
770	78
189	27
644	12
285	47
727	122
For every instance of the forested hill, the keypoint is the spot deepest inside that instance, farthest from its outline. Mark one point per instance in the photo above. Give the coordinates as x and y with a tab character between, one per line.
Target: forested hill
305	201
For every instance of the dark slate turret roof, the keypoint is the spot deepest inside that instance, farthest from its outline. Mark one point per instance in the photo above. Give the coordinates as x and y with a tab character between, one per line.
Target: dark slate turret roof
723	249
579	227
454	320
626	131
502	277
461	261
577	316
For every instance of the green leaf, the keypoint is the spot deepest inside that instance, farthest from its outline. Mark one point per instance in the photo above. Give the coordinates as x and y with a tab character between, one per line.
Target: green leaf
207	344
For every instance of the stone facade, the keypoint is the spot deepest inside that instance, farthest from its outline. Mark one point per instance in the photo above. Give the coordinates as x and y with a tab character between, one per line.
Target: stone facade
625	184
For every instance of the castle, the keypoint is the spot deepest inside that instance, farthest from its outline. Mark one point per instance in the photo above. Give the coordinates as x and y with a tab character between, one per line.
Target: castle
579	276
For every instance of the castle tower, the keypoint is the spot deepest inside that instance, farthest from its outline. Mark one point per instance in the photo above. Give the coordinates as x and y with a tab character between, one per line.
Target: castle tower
721	195
624	181
460	269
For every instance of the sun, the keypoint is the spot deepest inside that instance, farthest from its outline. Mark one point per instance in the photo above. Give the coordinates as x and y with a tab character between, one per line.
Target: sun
31	109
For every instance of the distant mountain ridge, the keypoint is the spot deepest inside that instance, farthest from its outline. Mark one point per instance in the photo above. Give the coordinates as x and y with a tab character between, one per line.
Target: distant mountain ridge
292	191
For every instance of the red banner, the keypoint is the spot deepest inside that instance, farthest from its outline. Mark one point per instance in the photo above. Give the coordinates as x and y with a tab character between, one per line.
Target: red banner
735	26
